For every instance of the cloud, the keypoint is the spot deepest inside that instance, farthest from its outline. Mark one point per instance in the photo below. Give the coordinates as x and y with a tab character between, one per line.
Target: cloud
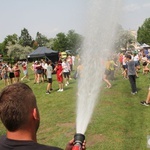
132	7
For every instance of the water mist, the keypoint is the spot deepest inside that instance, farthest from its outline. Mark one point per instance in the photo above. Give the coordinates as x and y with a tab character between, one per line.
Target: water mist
99	35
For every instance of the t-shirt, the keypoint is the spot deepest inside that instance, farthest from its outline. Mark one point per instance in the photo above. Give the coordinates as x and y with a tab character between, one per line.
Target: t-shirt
65	66
131	67
8	144
49	71
59	69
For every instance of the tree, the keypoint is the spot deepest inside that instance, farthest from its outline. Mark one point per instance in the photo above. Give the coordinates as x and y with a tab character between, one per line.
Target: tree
143	34
50	43
74	40
18	52
41	39
123	39
126	39
25	38
2	48
9	40
60	42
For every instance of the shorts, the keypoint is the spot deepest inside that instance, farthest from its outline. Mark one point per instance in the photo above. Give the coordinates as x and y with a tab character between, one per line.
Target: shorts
39	71
25	72
5	76
124	67
49	80
66	74
107	72
11	75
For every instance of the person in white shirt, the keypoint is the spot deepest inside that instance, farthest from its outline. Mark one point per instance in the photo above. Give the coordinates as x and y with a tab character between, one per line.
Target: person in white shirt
66	70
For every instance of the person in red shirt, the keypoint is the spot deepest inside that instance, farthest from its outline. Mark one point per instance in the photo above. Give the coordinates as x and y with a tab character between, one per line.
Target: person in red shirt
59	74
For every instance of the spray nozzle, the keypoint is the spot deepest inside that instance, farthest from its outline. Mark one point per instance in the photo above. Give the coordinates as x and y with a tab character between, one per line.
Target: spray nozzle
78	141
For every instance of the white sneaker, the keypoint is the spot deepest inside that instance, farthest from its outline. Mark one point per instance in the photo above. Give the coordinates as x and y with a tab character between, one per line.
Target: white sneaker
61	90
66	84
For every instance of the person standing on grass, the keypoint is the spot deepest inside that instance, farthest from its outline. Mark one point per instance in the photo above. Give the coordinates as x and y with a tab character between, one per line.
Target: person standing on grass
5	75
20	115
107	73
17	72
131	71
11	74
112	68
39	72
49	71
69	60
59	74
124	67
66	70
25	71
33	68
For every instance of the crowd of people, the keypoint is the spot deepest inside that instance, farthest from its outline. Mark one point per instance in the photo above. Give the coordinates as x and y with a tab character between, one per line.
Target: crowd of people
42	71
22	122
22	119
131	64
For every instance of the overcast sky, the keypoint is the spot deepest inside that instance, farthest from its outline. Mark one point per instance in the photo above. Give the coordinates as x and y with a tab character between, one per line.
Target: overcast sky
50	17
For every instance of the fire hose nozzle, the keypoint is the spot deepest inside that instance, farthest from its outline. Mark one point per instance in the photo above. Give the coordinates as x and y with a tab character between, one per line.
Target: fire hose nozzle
78	140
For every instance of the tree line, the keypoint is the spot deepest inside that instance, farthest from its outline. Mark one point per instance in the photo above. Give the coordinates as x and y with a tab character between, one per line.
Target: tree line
18	47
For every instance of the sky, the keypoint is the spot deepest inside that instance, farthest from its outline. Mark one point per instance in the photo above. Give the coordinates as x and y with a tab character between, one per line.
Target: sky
50	17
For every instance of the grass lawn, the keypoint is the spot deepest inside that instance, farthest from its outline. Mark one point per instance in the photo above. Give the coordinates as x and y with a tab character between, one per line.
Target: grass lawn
119	121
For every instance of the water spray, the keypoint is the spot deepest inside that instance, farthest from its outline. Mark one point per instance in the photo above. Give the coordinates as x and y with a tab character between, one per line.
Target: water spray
101	22
78	141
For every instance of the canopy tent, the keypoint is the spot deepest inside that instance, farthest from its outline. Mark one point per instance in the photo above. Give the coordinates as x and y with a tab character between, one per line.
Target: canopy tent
145	46
41	52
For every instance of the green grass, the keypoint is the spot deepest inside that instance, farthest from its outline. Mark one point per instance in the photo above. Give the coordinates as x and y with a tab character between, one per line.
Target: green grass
119	122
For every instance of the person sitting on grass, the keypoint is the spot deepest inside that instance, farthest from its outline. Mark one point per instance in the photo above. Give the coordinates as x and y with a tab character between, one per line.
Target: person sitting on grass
19	114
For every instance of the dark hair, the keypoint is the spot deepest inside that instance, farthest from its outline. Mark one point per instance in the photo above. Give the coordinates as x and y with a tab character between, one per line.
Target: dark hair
49	62
128	56
16	103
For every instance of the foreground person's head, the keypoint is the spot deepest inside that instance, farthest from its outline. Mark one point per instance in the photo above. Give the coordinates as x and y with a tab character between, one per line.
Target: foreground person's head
18	109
